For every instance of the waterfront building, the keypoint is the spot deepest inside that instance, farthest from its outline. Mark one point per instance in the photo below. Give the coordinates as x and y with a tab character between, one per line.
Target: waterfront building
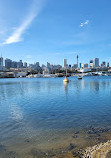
96	62
84	66
64	63
75	66
84	70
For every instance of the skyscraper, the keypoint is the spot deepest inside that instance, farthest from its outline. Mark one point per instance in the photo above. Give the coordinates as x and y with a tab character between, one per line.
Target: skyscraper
8	63
91	64
96	62
108	64
64	62
25	64
1	61
77	60
20	64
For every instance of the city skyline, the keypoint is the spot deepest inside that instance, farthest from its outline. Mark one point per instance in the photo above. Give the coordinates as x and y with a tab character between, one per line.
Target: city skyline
95	62
50	31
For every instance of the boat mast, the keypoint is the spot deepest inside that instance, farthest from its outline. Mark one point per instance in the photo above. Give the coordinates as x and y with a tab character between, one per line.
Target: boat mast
66	71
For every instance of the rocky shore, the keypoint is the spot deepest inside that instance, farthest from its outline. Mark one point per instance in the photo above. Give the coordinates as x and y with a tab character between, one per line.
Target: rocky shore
101	150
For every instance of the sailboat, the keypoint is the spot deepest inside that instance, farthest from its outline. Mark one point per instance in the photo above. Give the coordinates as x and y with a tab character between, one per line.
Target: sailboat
66	79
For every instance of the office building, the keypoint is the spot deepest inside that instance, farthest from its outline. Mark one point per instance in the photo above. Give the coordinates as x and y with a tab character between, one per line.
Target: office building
96	62
91	64
108	64
8	63
37	64
20	64
75	66
80	65
25	64
14	64
1	61
48	65
84	66
64	63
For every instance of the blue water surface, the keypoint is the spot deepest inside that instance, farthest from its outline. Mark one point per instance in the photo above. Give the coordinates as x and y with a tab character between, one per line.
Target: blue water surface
28	106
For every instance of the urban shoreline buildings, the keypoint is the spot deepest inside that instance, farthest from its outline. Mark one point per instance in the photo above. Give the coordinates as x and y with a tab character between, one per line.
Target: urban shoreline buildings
17	69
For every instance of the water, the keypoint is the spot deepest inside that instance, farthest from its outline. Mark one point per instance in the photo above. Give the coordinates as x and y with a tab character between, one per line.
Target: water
39	114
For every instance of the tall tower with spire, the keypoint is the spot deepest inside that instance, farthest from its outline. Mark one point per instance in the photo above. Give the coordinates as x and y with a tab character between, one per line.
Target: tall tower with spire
1	60
77	60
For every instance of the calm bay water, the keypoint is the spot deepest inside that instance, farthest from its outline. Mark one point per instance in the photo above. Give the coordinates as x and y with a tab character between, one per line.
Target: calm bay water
43	113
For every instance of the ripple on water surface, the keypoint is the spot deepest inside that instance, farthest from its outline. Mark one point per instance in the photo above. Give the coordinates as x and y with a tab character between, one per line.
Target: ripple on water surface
45	113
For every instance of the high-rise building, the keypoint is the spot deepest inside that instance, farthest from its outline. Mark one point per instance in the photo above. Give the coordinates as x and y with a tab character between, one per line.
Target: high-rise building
37	64
84	66
20	64
64	62
96	62
80	65
48	65
14	64
75	66
91	64
25	64
108	64
1	61
8	63
104	64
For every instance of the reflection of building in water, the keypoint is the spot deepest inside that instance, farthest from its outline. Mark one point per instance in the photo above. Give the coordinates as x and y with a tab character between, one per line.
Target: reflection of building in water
104	85
16	112
82	84
94	85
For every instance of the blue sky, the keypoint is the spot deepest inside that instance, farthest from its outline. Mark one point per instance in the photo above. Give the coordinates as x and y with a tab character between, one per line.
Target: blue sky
50	30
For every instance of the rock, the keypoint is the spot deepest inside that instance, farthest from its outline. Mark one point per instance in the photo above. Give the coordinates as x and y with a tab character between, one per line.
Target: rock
75	136
71	146
77	132
97	130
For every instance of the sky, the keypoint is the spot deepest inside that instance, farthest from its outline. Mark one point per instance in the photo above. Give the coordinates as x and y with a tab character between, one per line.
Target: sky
50	30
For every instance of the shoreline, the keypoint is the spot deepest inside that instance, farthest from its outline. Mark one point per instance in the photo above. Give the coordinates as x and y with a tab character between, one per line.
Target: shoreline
97	151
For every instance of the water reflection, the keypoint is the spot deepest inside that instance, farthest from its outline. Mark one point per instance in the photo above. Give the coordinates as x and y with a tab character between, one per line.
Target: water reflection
94	86
65	84
16	112
30	107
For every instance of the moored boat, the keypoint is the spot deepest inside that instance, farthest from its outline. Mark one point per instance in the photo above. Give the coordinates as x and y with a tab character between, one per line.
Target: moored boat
79	77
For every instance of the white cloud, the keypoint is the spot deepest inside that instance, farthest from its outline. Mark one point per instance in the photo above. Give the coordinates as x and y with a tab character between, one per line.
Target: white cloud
84	23
81	25
28	56
18	32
